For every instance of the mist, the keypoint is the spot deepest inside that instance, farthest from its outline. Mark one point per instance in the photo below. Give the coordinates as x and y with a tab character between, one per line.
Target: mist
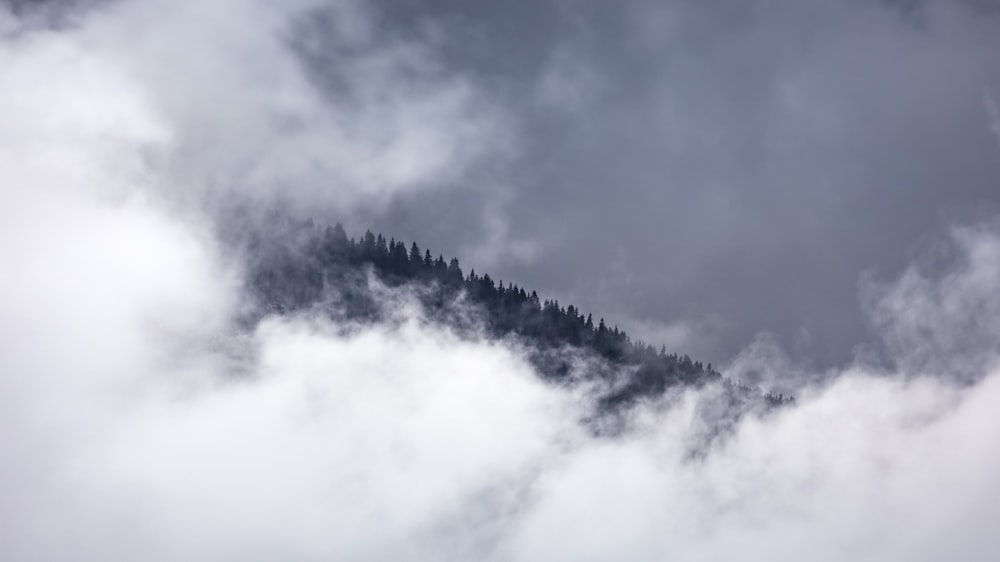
141	420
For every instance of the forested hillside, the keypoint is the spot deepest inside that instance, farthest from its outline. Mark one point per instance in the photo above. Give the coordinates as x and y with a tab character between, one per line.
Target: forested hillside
310	267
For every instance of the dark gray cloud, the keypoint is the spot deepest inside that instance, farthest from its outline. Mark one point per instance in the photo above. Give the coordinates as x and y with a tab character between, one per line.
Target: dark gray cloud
715	168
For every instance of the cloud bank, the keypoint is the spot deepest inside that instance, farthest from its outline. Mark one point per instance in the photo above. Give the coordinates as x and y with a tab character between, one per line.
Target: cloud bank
138	422
137	425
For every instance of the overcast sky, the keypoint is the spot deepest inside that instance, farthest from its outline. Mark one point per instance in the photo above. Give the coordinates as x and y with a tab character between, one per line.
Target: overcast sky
699	171
762	184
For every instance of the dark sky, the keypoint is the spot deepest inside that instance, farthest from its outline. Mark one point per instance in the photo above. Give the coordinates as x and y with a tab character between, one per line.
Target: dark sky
703	171
695	171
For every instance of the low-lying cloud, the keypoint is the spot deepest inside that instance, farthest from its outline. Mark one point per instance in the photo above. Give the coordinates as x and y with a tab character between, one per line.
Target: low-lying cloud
138	424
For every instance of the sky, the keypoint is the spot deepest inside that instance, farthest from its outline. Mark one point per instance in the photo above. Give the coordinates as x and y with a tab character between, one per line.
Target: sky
699	173
706	171
803	193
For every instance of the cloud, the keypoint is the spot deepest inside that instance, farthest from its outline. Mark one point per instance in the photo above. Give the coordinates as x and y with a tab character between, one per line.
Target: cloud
139	422
941	314
746	159
238	87
992	113
372	447
765	364
407	441
855	472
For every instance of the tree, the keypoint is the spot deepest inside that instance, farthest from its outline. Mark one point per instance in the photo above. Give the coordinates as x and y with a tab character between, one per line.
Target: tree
334	245
381	250
296	277
368	244
454	270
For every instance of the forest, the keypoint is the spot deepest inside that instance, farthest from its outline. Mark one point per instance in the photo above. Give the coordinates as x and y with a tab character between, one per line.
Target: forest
310	267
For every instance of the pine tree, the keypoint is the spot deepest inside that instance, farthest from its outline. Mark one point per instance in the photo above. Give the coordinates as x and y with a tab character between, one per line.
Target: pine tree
297	279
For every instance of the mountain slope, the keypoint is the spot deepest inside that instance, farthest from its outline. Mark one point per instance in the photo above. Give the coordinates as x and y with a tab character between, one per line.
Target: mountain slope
306	267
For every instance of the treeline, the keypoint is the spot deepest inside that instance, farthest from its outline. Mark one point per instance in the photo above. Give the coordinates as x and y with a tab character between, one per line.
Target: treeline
305	266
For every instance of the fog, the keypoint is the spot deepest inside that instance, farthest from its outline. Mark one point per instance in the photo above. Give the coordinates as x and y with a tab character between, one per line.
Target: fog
140	420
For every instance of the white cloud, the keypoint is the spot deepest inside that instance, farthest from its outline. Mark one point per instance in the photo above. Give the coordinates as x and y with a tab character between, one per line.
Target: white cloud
131	434
244	114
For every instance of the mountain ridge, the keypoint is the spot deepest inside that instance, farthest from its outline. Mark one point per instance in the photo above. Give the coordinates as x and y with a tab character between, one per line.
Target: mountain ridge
305	266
